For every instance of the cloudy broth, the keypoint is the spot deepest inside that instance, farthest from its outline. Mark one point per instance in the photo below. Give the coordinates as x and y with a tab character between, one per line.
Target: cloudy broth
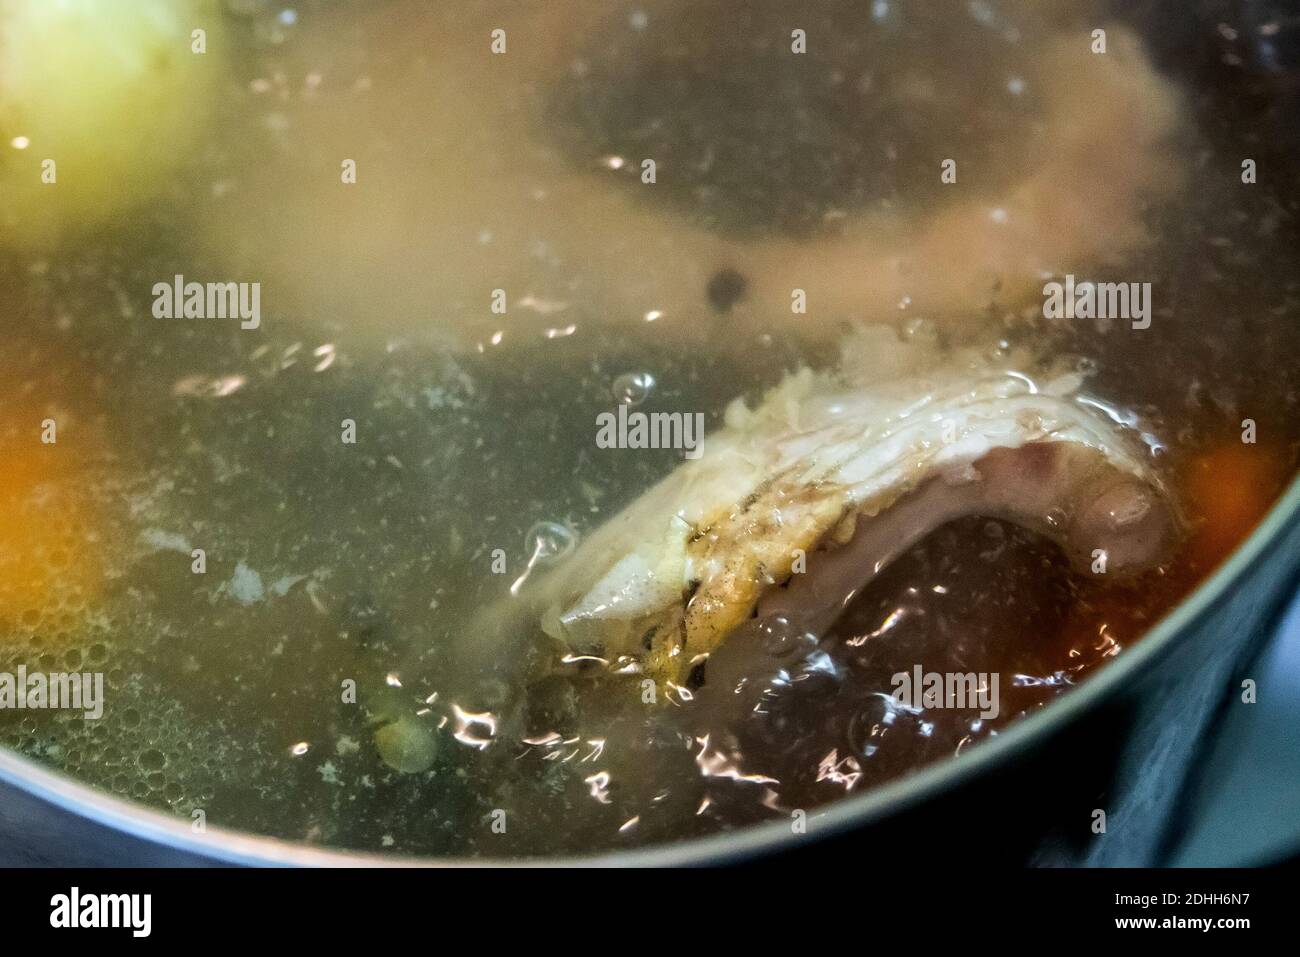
269	536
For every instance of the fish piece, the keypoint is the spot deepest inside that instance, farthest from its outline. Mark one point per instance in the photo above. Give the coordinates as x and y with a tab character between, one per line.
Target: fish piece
857	464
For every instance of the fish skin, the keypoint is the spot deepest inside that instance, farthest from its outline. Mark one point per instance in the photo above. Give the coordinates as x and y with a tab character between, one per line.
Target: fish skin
668	578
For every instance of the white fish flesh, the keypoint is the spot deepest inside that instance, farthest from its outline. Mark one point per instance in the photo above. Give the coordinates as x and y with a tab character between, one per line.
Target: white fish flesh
835	474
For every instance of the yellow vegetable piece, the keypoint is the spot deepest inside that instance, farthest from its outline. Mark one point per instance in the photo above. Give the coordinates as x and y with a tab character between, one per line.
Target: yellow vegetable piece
100	102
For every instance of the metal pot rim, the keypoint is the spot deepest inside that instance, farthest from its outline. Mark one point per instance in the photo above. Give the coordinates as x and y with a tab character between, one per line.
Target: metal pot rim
237	847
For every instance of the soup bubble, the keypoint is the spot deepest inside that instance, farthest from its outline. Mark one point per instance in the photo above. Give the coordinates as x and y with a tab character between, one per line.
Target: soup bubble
549	541
633	388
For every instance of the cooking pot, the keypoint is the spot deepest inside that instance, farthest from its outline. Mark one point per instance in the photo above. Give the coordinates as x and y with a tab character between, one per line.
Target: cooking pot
1126	742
